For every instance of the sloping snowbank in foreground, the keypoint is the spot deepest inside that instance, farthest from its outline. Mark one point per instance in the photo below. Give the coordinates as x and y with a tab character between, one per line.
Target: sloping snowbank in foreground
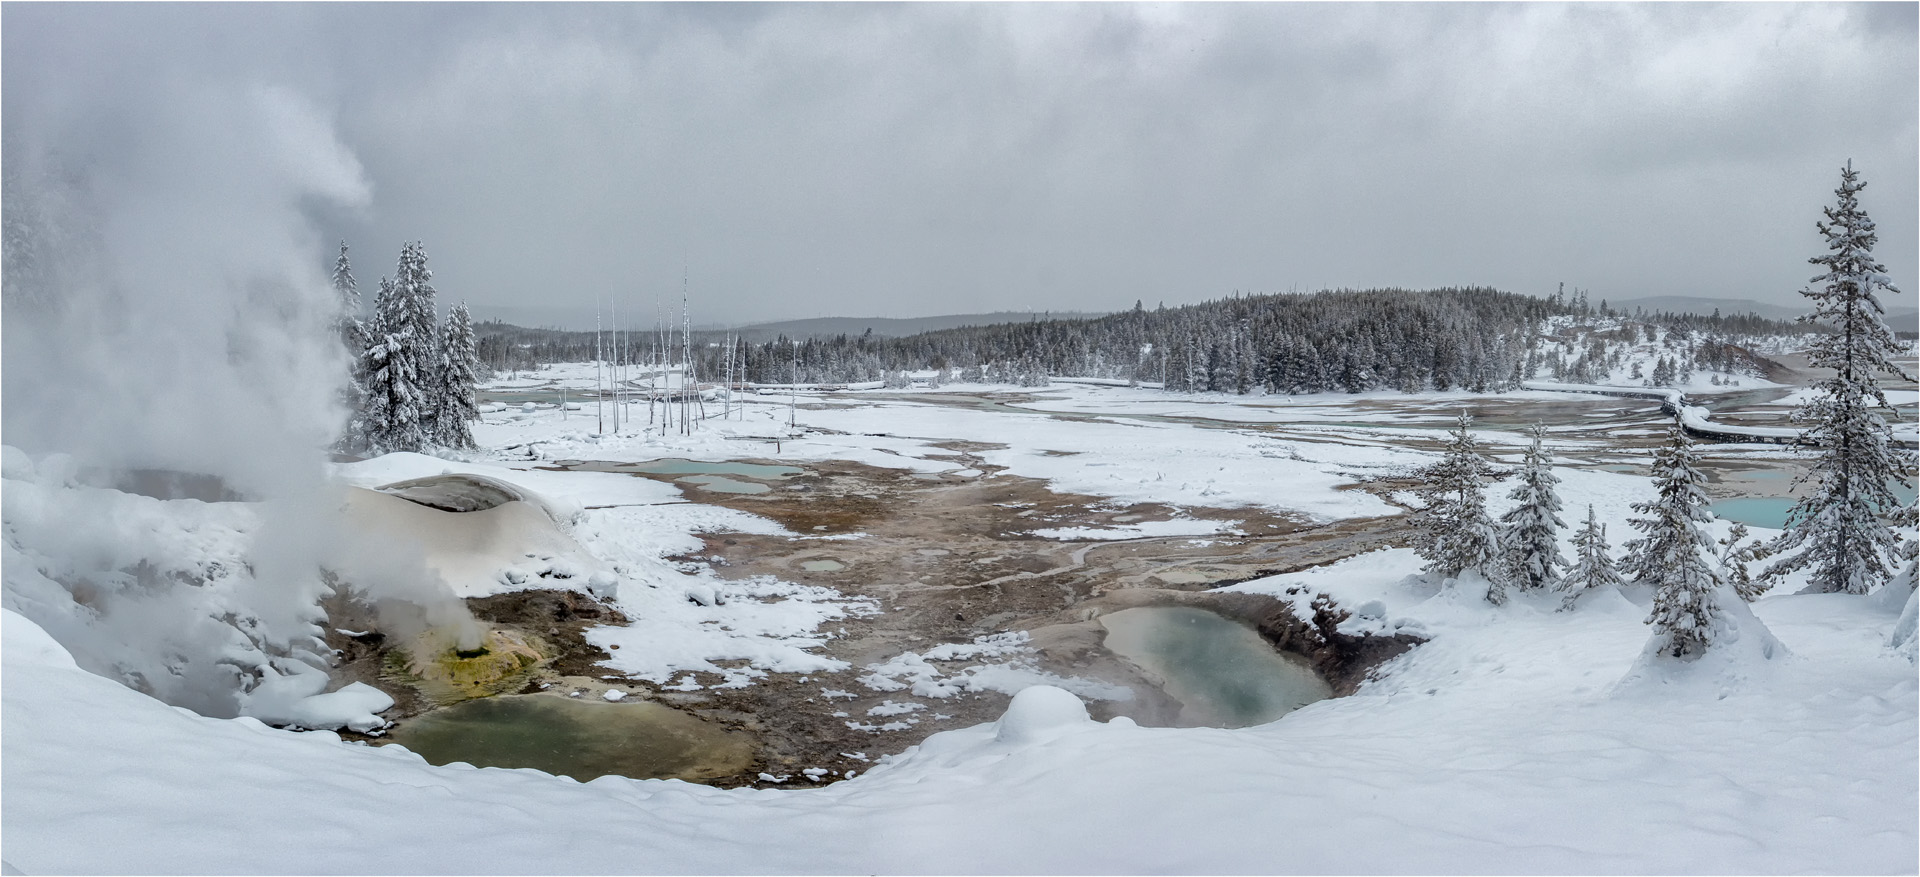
1504	745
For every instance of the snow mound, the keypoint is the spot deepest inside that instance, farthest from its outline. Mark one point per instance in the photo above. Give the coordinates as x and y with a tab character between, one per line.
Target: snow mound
1905	638
478	553
355	706
1742	650
15	464
1040	713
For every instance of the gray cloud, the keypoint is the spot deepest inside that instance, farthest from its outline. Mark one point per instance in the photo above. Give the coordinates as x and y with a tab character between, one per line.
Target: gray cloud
895	160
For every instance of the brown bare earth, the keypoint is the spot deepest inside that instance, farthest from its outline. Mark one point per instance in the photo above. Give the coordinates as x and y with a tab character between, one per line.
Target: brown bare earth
947	559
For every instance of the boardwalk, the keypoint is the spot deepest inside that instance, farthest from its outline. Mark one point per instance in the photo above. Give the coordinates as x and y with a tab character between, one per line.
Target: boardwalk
1694	419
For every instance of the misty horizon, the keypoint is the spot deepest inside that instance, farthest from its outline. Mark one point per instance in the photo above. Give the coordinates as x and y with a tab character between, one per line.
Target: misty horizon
797	161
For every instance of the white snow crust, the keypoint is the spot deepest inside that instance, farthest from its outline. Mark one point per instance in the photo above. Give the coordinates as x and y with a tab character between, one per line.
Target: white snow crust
1516	739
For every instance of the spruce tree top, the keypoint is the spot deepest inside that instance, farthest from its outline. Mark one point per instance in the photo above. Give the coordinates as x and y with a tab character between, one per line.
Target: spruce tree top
344	284
1846	300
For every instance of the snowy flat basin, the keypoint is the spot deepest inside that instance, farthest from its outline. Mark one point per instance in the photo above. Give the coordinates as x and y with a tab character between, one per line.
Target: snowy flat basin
582	740
759	471
719	484
1222	672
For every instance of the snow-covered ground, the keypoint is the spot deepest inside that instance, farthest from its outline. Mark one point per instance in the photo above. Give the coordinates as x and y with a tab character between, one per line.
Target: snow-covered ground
1511	742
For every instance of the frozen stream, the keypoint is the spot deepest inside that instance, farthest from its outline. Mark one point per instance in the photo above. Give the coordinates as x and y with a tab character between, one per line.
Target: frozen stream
1222	672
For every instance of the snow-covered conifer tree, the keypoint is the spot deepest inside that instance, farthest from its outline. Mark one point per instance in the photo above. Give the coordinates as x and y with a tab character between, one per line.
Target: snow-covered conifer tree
1837	531
1671	554
1456	534
418	317
1734	553
1594	567
1531	536
458	373
353	336
393	378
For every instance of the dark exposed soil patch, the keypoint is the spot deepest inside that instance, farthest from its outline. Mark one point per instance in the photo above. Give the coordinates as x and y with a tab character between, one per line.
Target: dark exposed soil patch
956	559
556	620
562	617
947	561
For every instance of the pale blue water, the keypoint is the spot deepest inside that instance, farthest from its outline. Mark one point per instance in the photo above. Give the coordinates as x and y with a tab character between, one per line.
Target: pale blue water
1222	672
1771	511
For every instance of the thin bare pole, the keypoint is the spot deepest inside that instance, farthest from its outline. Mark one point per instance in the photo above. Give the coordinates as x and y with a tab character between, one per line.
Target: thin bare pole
599	398
653	373
666	367
686	363
619	366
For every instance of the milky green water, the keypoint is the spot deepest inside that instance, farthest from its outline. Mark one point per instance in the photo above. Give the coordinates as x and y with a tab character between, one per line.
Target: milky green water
580	739
1222	672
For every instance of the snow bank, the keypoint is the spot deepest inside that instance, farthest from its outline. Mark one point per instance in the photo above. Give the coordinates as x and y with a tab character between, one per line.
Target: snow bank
1496	748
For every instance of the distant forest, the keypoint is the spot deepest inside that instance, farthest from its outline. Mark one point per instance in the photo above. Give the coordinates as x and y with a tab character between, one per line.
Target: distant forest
1348	340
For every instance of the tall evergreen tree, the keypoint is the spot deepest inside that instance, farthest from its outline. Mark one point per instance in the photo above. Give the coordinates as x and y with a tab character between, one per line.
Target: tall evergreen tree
353	337
1594	568
418	317
1837	530
1671	554
1531	535
1455	532
394	390
458	374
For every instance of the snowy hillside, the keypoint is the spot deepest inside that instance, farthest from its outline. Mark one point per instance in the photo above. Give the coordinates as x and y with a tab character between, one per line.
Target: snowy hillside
1623	352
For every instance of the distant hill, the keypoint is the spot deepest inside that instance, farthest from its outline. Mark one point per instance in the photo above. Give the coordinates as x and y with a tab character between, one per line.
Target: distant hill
890	327
571	319
1900	317
576	319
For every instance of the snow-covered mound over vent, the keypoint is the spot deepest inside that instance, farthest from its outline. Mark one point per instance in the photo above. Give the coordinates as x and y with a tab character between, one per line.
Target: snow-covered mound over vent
476	553
456	492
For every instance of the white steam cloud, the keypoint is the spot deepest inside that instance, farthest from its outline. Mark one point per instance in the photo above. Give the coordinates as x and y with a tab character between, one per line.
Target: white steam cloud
167	306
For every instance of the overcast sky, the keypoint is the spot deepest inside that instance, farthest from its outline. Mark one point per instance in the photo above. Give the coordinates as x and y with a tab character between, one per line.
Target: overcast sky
882	160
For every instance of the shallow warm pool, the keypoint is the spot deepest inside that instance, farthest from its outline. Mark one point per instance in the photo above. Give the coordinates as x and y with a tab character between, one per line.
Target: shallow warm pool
570	737
1221	671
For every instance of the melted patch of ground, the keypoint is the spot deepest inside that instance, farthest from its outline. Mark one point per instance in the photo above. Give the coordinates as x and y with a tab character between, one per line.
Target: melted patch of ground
948	560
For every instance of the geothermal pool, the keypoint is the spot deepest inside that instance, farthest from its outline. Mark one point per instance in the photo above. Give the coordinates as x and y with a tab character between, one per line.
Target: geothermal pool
1221	671
580	739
